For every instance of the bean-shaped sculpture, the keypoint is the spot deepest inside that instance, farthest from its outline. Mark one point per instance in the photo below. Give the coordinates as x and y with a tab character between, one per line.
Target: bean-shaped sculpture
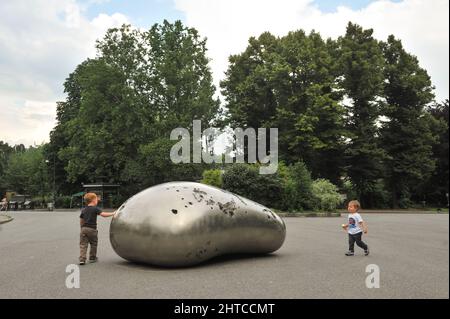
186	223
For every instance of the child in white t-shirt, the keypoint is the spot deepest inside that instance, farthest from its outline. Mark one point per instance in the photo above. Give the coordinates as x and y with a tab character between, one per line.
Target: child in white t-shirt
355	228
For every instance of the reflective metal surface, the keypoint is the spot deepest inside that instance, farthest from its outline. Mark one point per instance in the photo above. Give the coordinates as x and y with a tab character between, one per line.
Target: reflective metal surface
185	223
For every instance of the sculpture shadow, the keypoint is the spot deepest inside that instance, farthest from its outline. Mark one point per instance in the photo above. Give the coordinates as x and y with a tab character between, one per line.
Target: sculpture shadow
218	260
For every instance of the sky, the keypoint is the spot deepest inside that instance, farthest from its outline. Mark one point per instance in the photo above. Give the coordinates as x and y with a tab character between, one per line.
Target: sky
42	41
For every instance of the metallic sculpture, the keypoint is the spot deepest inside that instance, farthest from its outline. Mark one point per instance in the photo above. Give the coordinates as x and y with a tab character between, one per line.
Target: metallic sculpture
185	223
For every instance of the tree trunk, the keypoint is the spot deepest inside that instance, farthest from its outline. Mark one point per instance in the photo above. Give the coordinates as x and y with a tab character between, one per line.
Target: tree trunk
394	198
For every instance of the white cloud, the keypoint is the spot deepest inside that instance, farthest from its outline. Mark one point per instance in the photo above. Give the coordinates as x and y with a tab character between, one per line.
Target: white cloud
422	25
26	122
41	42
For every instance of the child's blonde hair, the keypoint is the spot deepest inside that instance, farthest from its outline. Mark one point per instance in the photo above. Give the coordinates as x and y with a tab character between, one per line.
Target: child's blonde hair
89	197
355	203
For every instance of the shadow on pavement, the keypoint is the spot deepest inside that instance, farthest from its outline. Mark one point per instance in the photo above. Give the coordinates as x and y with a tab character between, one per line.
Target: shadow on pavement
225	259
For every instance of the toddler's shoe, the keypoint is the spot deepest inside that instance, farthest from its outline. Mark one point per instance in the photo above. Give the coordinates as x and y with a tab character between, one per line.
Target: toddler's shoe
349	253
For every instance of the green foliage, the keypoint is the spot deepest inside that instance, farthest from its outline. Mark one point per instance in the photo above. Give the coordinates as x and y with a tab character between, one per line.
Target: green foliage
212	177
379	193
349	190
153	165
121	106
406	135
27	172
289	83
288	189
154	160
97	130
325	195
64	201
167	68
354	107
117	200
434	189
296	184
245	180
5	151
361	68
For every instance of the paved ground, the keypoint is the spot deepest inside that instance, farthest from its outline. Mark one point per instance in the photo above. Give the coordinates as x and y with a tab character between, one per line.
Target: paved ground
412	252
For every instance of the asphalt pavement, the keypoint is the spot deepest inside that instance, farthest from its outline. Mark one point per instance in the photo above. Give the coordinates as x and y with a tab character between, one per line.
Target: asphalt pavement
411	252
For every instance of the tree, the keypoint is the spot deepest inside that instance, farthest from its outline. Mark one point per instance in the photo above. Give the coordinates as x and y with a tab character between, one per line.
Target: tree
289	83
27	172
142	85
61	135
105	130
154	159
248	87
309	114
5	151
167	69
435	189
406	135
361	65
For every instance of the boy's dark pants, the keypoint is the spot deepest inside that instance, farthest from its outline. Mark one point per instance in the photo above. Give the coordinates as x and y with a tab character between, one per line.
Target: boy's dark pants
88	235
355	238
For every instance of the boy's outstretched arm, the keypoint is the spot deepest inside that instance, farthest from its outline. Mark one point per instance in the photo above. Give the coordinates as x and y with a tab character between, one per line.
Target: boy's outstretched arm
105	214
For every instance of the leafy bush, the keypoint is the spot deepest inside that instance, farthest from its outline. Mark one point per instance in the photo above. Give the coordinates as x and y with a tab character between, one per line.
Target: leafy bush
288	189
62	202
245	180
212	177
325	195
117	200
297	183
